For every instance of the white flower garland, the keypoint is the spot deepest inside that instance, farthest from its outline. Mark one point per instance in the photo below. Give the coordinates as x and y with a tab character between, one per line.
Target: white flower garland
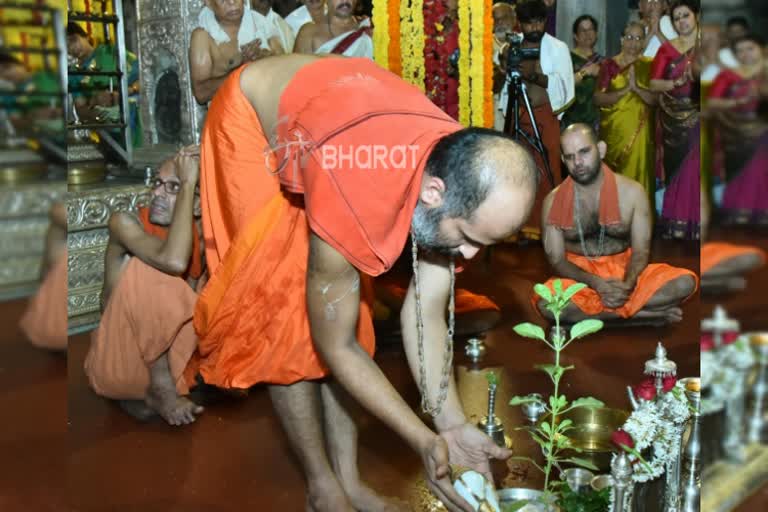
722	372
658	424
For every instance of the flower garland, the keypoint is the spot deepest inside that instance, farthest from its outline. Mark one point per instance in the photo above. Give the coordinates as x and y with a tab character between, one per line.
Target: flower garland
477	67
465	107
381	37
657	423
436	53
412	41
722	372
488	114
395	62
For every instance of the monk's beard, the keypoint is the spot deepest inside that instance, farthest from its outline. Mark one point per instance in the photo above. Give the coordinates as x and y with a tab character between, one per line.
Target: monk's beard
590	177
425	230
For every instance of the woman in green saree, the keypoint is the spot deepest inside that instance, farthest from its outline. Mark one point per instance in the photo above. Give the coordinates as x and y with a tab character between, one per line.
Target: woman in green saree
626	111
586	68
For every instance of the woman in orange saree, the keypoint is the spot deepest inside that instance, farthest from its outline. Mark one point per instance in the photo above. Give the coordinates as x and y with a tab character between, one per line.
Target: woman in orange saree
626	111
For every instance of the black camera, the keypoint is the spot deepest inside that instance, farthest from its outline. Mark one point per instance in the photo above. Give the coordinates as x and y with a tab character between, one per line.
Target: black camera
516	54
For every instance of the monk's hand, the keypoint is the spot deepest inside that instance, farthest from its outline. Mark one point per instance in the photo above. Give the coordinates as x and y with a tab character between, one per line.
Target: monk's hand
471	448
613	293
434	455
252	50
188	167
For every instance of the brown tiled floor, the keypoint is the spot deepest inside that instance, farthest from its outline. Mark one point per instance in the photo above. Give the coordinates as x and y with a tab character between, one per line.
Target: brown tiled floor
236	457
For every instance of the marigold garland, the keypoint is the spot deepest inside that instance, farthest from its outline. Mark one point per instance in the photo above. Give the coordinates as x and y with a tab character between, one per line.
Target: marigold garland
412	41
465	107
476	68
395	63
488	64
381	37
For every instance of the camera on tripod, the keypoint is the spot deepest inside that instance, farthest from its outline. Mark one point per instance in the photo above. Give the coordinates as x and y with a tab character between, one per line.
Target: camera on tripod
516	54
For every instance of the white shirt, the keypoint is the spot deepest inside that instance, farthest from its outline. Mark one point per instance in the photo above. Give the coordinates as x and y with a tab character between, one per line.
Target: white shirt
667	29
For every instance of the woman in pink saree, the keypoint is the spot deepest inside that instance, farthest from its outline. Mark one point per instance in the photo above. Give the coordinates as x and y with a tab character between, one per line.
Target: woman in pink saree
678	117
734	99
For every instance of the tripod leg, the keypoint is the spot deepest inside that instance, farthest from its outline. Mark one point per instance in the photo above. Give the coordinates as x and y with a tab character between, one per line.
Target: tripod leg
538	144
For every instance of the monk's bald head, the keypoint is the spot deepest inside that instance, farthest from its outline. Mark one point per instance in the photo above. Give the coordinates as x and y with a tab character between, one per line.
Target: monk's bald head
479	185
582	152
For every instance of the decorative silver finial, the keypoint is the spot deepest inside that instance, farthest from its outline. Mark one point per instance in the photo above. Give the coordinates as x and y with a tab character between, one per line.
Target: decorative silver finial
719	324
660	367
491	424
621	475
475	349
148	176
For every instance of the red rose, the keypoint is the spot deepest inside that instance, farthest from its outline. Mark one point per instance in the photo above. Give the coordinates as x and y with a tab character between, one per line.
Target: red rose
645	390
669	383
730	337
707	343
621	439
708	340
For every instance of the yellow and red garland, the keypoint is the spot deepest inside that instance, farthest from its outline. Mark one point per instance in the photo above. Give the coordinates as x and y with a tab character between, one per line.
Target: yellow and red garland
410	46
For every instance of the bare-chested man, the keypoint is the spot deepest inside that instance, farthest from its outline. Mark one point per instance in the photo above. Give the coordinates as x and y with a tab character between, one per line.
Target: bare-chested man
340	32
210	62
549	81
597	230
310	11
140	351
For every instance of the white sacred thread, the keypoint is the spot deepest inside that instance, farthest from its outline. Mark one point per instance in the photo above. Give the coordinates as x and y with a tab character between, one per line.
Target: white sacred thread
448	355
330	306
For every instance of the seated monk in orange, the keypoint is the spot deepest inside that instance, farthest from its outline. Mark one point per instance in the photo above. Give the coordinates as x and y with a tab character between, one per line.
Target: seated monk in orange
723	265
45	320
140	352
597	231
294	228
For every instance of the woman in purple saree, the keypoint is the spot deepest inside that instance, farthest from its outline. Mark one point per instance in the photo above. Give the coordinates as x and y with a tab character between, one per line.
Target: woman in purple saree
678	117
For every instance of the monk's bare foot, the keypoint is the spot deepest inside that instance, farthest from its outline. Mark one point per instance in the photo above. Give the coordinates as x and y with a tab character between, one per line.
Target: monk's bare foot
673	315
327	496
176	410
365	499
137	409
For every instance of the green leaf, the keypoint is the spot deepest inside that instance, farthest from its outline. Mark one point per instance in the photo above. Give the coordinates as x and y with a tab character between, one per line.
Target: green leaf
562	401
589	402
546	428
584	463
564	425
573	290
586	327
544	292
529	330
549	368
558	286
520	400
493	380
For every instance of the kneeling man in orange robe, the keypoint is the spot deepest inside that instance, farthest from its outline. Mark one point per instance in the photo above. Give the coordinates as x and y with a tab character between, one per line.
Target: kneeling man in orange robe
140	352
723	265
597	231
45	320
366	159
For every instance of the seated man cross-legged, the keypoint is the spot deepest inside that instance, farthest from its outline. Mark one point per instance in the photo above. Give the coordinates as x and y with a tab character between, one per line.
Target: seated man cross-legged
597	230
141	351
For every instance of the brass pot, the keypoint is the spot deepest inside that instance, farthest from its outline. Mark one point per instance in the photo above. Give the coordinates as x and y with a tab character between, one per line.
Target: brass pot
591	431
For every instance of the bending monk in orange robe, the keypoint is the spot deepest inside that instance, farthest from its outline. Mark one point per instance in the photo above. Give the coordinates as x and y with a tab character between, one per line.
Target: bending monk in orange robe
724	265
140	352
365	158
45	321
598	231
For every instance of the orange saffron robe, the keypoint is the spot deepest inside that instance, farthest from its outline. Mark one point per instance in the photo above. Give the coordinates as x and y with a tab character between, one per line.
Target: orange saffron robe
251	317
45	320
714	253
612	266
148	313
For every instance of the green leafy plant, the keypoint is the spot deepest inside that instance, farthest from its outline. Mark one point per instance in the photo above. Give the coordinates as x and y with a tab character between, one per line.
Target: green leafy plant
550	434
590	501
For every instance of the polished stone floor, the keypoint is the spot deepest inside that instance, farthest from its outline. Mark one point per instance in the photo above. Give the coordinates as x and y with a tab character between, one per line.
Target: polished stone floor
67	449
